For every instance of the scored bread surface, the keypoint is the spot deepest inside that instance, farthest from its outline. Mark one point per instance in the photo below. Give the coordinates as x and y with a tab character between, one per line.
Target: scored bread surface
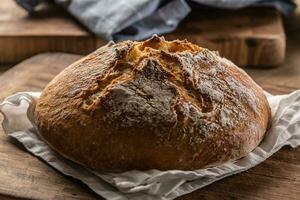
154	104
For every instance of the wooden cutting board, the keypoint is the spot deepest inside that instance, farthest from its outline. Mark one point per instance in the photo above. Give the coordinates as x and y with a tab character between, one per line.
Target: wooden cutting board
49	29
247	37
23	176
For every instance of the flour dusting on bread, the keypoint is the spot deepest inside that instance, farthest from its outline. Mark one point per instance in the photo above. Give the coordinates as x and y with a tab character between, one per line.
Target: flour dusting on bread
155	104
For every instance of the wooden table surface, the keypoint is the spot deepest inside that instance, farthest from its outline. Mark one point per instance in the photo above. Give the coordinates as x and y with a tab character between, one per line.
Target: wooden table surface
276	178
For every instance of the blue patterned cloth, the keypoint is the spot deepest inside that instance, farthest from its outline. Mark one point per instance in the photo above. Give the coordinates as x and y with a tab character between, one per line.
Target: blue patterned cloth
139	19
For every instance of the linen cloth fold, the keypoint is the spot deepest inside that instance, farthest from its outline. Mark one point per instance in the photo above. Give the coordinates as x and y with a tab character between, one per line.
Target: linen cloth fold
153	184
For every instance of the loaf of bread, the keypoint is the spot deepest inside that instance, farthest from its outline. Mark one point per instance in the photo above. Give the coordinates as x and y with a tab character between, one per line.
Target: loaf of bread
154	104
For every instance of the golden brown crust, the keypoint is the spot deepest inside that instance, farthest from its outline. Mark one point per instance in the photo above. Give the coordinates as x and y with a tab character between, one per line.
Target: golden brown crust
152	105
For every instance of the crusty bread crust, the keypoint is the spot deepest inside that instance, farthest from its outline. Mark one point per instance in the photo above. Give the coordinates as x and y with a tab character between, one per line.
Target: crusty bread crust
152	105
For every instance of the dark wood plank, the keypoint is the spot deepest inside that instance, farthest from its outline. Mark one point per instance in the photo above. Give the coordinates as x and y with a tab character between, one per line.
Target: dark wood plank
49	29
248	37
287	77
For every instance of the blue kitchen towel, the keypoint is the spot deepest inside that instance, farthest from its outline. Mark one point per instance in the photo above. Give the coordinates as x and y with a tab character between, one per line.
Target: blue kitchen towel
139	19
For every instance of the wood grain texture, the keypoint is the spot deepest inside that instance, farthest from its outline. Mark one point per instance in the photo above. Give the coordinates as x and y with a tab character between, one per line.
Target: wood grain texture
248	37
49	29
24	176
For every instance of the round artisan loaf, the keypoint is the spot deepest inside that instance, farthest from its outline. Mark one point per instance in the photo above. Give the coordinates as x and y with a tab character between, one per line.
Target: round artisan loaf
154	104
